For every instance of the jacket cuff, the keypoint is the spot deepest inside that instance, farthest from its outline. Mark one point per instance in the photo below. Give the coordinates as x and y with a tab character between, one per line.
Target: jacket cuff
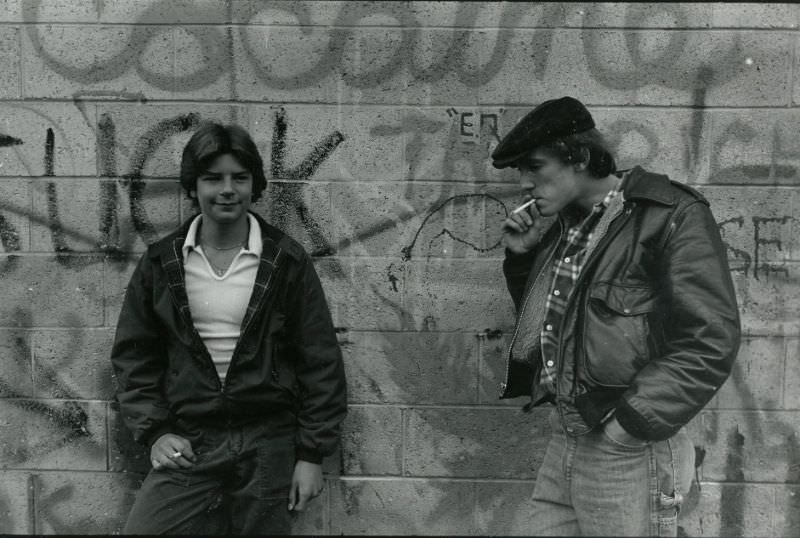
632	422
308	454
158	432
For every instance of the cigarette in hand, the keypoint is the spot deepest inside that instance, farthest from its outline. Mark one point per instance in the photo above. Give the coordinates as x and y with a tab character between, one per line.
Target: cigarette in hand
524	206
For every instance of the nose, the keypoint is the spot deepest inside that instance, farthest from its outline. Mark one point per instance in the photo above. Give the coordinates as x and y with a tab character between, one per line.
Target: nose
227	184
526	180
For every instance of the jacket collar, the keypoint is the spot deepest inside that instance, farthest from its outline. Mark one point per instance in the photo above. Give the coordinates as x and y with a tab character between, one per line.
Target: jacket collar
169	251
640	184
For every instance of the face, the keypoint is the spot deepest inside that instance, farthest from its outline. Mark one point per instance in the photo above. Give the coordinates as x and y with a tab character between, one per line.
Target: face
224	191
554	183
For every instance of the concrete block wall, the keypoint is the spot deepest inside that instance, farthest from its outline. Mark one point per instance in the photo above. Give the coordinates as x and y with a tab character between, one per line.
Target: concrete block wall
376	120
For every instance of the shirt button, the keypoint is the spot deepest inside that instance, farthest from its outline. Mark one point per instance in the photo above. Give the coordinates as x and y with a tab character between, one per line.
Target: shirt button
557	293
550	364
548	327
567	259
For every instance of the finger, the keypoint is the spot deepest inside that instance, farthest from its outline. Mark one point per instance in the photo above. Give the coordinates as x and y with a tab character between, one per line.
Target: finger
512	225
301	503
184	448
293	496
183	462
156	464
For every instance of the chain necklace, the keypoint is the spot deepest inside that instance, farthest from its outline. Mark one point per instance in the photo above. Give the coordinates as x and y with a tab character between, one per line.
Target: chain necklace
217	270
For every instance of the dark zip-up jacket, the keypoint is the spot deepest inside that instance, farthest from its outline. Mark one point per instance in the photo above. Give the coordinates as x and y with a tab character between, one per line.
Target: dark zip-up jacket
287	359
655	314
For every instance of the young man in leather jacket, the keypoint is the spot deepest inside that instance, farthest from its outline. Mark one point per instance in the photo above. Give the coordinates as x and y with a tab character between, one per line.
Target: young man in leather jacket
627	323
226	359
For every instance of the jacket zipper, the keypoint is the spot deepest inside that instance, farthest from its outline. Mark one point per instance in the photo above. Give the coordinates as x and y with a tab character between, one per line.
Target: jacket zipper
553	249
595	255
268	291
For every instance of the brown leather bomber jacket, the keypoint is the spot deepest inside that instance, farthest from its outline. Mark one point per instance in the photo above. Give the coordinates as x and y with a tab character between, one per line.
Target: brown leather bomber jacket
657	323
287	362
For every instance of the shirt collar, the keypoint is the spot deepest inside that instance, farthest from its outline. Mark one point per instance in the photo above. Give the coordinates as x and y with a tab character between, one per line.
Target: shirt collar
254	243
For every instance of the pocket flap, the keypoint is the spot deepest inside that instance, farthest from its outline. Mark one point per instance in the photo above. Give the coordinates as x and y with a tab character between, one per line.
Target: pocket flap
625	300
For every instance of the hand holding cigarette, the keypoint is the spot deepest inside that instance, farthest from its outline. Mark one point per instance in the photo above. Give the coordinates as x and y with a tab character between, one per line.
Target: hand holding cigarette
523	228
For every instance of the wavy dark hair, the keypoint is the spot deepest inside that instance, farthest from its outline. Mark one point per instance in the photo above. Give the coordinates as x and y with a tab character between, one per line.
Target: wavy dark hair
585	147
211	140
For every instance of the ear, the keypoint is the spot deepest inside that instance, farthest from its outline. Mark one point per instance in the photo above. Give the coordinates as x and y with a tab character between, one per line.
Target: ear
583	163
193	194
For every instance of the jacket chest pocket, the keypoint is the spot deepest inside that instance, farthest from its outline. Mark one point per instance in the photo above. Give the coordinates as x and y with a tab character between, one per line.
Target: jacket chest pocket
616	333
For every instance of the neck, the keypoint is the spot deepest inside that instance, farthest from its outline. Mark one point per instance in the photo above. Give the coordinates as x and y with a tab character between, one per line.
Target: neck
224	235
594	192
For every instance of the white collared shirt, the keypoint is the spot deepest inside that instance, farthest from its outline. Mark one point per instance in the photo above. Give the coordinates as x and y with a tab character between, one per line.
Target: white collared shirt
218	303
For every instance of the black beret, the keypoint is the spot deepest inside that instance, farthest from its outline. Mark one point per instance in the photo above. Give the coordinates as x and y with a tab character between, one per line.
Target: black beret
550	120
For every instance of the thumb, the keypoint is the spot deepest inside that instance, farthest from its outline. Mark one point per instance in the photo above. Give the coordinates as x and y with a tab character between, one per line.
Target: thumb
293	495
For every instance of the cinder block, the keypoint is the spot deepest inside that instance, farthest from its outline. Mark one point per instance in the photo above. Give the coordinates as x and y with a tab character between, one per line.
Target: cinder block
423	221
287	13
15	503
360	294
116	276
73	364
354	143
645	15
11	10
474	442
148	140
53	292
16	380
504	508
456	295
124	454
83	503
652	67
372	441
754	147
786	518
203	60
791	392
402	507
301	210
128	61
768	304
10	62
74	140
730	510
671	141
411	367
122	11
757	378
757	226
53	435
496	14
493	358
750	446
287	64
753	15
15	196
87	209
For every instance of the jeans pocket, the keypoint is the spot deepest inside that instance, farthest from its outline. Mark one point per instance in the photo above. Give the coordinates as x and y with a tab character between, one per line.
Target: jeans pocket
276	467
617	435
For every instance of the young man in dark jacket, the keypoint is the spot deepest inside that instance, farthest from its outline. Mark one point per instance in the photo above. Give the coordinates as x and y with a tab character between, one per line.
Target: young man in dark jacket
226	359
627	323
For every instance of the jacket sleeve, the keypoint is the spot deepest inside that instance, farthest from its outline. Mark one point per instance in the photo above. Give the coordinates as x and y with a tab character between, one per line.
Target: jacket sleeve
701	330
319	368
139	361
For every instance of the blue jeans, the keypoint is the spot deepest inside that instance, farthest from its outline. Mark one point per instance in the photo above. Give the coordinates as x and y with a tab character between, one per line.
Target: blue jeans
238	485
608	483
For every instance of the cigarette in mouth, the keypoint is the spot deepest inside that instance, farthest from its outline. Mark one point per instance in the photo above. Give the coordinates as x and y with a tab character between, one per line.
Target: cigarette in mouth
524	206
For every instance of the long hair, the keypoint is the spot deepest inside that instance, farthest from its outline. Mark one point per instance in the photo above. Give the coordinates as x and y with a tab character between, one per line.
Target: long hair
212	140
585	147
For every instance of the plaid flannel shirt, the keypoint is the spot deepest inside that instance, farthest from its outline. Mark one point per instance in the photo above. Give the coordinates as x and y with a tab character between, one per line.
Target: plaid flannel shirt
569	261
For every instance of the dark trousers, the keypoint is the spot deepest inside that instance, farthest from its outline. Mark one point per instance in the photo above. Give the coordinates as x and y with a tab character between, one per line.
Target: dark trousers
239	484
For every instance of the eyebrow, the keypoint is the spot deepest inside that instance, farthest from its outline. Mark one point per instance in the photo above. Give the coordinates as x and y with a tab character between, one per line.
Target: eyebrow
210	173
